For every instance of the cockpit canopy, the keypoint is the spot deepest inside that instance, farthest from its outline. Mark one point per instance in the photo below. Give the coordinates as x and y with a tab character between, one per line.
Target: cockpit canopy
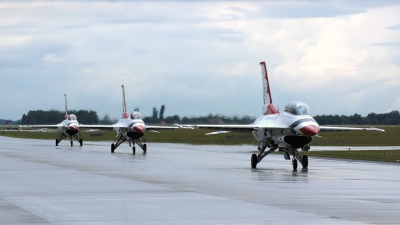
72	117
136	115
297	108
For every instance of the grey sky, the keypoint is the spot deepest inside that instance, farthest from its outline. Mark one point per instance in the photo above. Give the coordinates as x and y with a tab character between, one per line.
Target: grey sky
199	57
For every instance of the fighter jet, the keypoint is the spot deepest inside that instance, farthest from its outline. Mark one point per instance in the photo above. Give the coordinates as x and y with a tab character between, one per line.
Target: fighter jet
286	131
130	128
69	127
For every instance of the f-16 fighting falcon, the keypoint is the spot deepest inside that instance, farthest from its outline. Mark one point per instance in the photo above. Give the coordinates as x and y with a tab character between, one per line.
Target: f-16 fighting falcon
286	131
69	127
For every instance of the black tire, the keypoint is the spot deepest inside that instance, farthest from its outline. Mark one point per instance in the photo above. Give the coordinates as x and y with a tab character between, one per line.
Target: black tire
133	150
72	143
56	142
112	148
254	161
294	163
81	142
304	161
144	148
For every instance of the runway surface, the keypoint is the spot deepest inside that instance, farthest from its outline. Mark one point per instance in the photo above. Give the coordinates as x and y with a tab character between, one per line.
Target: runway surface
185	184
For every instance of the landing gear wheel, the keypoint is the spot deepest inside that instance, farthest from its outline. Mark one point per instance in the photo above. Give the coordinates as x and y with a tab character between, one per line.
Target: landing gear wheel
112	148
133	149
294	163
81	142
56	142
304	161
144	148
72	143
254	161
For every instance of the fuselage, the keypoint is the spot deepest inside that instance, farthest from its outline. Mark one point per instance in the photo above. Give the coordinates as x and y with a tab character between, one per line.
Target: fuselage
130	128
285	129
70	127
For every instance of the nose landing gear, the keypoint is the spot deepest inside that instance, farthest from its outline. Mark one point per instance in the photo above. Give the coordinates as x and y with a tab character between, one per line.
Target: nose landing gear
121	139
255	159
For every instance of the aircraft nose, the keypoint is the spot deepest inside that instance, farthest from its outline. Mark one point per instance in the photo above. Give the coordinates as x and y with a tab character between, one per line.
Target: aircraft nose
73	127
310	130
138	128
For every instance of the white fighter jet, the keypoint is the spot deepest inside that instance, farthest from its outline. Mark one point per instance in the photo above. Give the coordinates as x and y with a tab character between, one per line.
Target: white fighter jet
286	131
69	127
130	128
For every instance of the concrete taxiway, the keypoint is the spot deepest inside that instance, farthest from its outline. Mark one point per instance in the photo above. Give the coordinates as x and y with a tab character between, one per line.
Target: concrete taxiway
185	184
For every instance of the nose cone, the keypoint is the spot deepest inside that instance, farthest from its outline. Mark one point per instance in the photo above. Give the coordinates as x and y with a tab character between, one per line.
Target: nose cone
73	127
138	128
310	130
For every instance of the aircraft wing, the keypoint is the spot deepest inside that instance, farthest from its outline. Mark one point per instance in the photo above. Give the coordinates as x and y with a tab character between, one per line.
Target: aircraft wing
41	126
161	127
324	128
252	127
110	127
237	128
222	129
100	127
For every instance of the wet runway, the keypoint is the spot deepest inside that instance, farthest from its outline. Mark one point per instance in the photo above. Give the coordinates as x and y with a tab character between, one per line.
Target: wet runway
185	184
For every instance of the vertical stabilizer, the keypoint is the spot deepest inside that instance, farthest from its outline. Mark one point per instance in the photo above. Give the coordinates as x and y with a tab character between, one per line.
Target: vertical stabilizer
124	112
66	107
269	107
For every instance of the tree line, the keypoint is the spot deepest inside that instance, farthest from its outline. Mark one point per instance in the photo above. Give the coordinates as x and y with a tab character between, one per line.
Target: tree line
158	117
391	118
55	117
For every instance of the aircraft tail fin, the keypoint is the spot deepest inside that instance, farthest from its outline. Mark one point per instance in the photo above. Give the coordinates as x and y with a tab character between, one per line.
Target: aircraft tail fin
124	112
66	107
269	107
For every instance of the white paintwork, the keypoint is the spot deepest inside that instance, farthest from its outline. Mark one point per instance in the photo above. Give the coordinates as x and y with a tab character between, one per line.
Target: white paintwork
276	127
68	125
130	128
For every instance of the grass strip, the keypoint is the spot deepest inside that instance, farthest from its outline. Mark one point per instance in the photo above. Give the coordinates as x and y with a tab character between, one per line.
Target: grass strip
197	137
391	137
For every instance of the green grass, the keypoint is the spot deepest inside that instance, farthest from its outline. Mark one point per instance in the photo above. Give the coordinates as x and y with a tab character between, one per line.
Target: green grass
186	136
391	137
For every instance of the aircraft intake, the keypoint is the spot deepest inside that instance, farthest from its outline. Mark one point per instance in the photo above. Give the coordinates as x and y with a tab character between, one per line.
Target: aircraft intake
298	141
72	132
135	135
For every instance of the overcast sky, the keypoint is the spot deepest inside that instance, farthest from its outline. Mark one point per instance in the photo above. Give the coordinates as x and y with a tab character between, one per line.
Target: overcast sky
199	57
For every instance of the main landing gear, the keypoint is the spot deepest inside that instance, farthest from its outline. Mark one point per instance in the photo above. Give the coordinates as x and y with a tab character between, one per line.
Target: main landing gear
143	146
256	158
304	162
297	157
77	137
121	139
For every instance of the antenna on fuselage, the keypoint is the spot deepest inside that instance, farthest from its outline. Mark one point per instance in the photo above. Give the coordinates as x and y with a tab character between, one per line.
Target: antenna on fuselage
124	113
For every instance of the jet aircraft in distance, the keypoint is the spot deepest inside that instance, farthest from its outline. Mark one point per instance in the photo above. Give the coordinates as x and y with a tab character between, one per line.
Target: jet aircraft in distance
69	127
286	131
130	128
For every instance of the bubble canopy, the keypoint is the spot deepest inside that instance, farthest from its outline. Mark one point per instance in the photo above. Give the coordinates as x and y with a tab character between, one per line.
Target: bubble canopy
72	117
297	108
136	115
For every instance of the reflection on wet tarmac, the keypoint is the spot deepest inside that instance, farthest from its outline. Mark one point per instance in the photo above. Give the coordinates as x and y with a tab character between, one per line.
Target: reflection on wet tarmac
187	184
